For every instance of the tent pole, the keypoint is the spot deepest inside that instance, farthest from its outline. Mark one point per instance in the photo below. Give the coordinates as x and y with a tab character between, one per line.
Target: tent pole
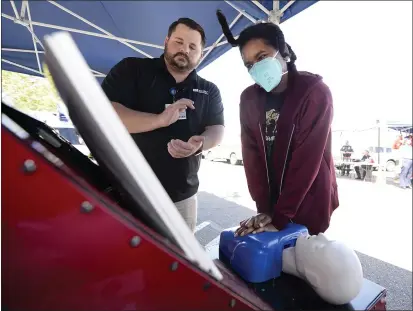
252	19
23	9
97	74
285	7
219	44
99	28
14	9
276	13
33	37
20	66
220	38
262	8
84	32
20	50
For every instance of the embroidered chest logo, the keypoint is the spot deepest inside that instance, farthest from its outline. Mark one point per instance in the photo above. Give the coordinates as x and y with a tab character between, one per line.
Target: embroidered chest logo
200	91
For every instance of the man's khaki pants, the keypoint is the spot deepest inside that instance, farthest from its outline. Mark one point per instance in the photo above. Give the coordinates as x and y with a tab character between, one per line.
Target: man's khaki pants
188	209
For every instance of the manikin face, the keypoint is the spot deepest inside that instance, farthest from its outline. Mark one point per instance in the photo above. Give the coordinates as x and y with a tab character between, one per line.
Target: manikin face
333	269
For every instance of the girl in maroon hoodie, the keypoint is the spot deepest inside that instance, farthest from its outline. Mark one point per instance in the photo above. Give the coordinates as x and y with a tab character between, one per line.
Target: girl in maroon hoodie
286	135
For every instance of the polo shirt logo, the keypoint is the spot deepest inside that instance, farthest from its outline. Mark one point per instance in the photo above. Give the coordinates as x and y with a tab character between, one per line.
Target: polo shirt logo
200	91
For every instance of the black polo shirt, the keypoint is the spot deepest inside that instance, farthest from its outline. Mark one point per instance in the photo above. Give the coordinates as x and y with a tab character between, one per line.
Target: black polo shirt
145	85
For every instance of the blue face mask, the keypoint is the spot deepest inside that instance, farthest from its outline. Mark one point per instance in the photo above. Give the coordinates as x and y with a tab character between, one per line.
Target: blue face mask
267	73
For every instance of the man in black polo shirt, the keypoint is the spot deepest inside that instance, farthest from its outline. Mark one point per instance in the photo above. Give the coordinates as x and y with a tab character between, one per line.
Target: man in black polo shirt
171	112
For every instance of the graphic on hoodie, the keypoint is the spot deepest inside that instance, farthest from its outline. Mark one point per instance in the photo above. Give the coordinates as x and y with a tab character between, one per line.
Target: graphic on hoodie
271	119
273	106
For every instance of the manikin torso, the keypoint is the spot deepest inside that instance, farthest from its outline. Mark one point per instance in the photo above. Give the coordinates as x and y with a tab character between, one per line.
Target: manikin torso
330	267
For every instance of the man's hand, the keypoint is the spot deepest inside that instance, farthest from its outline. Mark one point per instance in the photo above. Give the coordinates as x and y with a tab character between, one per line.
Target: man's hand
171	113
255	224
180	149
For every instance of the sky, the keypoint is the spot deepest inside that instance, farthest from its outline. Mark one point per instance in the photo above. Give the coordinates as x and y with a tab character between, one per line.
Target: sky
363	50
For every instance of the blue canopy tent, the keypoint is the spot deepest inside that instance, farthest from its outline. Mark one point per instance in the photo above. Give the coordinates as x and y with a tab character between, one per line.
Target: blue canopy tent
108	31
405	128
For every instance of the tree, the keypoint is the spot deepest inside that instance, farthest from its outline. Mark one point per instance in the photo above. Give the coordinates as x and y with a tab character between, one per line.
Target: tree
30	93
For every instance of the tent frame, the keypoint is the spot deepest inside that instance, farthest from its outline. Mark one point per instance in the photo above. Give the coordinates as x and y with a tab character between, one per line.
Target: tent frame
25	19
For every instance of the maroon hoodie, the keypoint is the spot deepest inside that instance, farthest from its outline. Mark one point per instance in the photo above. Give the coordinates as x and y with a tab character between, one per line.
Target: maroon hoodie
302	162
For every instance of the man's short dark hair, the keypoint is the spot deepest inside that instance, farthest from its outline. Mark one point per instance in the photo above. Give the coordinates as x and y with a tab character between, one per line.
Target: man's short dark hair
190	23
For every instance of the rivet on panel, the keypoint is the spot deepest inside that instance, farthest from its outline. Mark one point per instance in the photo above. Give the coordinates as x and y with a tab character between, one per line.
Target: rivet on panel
207	286
29	166
174	266
232	303
135	241
86	207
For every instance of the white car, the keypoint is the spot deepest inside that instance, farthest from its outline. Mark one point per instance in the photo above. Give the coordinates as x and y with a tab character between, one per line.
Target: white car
388	157
65	129
227	152
72	136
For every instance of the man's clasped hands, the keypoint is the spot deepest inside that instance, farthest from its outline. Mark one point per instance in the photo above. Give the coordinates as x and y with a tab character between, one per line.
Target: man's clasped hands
176	147
255	224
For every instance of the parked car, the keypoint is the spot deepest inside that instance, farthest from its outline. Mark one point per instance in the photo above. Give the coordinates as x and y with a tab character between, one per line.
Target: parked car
227	152
72	136
388	157
65	129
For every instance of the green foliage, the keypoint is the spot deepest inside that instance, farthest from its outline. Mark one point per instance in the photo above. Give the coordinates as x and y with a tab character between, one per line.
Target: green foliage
29	92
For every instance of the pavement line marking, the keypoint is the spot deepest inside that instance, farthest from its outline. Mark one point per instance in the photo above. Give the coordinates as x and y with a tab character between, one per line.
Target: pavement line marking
212	243
202	226
216	227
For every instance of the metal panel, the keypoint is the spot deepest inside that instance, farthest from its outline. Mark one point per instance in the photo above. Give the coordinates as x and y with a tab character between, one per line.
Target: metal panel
65	247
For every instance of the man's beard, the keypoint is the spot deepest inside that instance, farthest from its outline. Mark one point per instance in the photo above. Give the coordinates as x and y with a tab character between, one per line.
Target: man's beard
179	66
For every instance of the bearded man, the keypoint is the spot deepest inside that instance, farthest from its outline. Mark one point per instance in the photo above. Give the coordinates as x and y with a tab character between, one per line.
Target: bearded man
171	112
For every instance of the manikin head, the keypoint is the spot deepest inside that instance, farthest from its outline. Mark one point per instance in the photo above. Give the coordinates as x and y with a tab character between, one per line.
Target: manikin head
264	51
184	45
332	268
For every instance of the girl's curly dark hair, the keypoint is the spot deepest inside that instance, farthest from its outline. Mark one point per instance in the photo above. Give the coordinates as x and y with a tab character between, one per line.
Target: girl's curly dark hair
269	32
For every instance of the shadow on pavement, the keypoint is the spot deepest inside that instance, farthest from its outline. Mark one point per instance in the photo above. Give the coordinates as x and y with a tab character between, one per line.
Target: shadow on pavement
222	212
218	214
393	182
390	181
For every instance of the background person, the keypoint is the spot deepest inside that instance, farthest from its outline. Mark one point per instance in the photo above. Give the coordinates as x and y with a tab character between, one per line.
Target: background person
406	151
364	168
346	153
